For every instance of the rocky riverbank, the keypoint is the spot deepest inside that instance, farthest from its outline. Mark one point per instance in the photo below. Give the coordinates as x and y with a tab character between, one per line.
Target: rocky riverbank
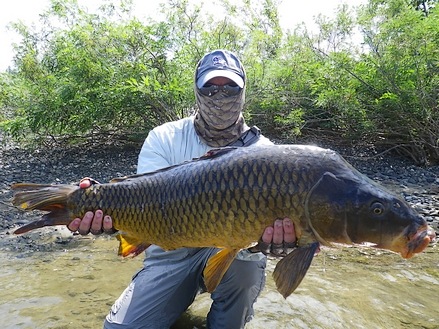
418	185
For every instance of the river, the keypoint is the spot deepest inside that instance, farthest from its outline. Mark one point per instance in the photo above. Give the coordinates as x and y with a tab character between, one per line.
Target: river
74	283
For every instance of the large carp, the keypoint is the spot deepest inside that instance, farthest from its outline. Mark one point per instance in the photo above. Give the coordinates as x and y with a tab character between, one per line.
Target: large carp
227	198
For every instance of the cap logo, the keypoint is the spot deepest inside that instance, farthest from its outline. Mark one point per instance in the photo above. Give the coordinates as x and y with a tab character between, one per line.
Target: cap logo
217	60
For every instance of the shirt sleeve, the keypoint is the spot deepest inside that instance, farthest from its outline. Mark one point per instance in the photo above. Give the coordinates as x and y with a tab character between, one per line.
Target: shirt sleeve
152	156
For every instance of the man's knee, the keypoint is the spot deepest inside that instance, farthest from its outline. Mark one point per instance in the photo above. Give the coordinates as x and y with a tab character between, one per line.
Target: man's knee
246	274
234	297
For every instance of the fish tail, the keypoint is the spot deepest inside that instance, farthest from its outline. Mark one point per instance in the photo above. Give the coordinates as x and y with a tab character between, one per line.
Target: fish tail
41	197
51	198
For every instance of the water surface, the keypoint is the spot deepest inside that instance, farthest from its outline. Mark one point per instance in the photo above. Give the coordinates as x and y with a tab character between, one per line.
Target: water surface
74	285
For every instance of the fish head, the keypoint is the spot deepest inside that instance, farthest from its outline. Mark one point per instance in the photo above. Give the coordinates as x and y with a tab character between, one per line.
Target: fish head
388	222
351	208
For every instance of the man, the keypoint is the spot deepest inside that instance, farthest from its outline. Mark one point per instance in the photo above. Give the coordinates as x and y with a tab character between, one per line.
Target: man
170	280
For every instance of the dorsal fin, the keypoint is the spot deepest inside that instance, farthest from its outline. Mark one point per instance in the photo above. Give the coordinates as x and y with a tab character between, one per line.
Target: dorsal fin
211	154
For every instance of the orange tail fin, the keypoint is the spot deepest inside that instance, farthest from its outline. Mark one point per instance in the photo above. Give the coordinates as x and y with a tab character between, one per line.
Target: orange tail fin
51	198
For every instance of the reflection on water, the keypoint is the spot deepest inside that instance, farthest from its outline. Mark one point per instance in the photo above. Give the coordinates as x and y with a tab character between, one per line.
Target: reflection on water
344	288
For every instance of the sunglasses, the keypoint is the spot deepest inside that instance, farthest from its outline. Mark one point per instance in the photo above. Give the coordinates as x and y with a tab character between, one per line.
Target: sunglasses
229	89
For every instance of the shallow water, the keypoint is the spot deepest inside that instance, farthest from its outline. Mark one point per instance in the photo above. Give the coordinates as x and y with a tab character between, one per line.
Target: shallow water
74	285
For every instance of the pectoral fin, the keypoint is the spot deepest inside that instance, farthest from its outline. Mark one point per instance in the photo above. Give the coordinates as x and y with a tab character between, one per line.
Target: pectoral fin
130	246
290	271
217	266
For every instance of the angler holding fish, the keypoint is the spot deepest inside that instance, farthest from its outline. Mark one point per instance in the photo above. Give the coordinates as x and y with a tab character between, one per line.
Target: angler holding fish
155	299
227	198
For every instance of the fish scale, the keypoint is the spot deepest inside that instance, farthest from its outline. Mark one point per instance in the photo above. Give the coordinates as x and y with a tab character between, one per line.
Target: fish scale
227	198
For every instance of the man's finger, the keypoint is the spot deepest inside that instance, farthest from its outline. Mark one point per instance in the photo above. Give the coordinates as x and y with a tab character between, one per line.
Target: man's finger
74	224
96	225
278	234
84	183
267	236
289	231
108	225
84	227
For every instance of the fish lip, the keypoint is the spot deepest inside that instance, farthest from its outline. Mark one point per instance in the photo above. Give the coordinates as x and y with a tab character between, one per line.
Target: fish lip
411	241
417	241
432	234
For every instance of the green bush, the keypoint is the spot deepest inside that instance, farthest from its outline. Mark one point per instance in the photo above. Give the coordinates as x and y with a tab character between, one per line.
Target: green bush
111	76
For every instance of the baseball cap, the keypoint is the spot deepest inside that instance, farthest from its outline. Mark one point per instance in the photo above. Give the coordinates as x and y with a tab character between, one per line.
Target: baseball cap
220	63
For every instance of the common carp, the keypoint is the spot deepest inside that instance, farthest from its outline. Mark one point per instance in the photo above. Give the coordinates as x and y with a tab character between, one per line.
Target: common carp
227	198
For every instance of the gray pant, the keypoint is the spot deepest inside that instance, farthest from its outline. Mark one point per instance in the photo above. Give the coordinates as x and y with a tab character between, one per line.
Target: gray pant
169	282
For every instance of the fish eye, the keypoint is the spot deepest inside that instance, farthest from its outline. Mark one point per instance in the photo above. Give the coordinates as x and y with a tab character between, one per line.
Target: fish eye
377	208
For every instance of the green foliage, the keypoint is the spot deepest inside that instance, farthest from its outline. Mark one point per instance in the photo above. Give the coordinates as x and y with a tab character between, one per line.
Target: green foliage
402	67
101	75
115	76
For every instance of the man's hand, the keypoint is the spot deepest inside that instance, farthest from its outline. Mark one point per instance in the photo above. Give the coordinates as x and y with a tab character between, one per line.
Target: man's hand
283	231
278	240
94	223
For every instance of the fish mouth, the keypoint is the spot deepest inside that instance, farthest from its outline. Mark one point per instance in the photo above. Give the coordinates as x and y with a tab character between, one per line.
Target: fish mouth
411	244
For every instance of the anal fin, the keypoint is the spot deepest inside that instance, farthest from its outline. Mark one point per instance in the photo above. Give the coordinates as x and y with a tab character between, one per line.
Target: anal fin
291	269
130	246
217	266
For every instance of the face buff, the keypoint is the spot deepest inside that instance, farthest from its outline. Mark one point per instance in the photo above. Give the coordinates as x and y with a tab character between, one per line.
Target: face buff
219	121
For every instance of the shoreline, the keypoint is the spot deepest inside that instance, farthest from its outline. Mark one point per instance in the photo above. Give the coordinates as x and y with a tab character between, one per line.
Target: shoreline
419	186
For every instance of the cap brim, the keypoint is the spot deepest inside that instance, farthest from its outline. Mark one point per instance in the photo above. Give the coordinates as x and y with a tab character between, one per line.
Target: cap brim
220	73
